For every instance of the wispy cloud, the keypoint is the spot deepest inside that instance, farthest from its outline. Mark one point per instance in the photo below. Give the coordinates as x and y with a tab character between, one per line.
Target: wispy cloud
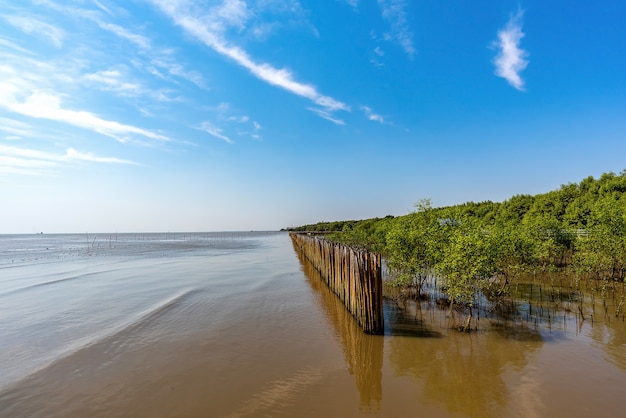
158	58
44	105
192	76
25	161
257	128
166	61
72	155
229	120
371	115
163	59
74	12
230	13
139	40
16	129
208	32
48	89
326	115
378	54
247	128
213	130
239	119
103	7
113	80
111	8
14	46
511	59
32	25
394	12
263	30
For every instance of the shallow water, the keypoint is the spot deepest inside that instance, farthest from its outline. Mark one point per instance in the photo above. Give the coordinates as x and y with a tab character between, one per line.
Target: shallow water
231	325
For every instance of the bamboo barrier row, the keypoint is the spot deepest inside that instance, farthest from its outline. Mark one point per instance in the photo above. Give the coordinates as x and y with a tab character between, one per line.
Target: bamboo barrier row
363	353
354	275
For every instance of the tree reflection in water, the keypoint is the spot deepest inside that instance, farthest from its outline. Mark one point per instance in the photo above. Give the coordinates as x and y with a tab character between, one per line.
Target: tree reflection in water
463	371
459	370
495	371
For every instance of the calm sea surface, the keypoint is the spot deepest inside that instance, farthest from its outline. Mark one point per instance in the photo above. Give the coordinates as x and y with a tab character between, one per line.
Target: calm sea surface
236	325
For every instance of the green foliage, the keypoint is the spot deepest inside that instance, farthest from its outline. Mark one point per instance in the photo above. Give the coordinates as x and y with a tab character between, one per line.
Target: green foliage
370	234
414	244
603	251
515	251
513	210
468	260
552	243
323	226
579	225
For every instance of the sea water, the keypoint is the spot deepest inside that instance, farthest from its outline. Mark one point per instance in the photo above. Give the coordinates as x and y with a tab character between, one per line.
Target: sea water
234	324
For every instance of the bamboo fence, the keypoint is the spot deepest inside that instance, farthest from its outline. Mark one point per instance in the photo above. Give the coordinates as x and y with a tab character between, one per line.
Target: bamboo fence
354	275
363	353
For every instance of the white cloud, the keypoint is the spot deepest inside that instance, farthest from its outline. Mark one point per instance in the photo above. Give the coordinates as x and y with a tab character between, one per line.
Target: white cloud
238	119
24	161
394	12
371	115
103	7
72	155
215	131
263	30
16	129
21	163
29	87
208	33
112	80
511	59
139	40
43	105
166	61
163	59
192	76
14	46
33	25
48	158
242	125
326	115
75	12
231	12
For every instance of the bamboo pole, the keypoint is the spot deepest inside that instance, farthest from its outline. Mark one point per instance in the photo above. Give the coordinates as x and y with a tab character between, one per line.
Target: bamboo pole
354	275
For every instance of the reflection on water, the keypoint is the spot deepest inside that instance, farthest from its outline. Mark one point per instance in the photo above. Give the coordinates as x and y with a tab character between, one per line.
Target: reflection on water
513	365
466	372
566	303
363	352
404	319
463	372
551	326
218	326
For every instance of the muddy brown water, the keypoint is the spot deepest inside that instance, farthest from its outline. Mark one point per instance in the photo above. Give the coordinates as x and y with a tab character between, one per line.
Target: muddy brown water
235	325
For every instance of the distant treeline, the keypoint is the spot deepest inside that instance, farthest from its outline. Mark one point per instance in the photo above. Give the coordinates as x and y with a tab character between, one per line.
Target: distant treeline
580	226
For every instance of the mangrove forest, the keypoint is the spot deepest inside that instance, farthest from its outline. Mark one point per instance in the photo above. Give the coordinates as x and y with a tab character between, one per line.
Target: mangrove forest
473	252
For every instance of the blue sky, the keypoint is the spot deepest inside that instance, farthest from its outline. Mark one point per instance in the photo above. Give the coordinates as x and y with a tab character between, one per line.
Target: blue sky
190	115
